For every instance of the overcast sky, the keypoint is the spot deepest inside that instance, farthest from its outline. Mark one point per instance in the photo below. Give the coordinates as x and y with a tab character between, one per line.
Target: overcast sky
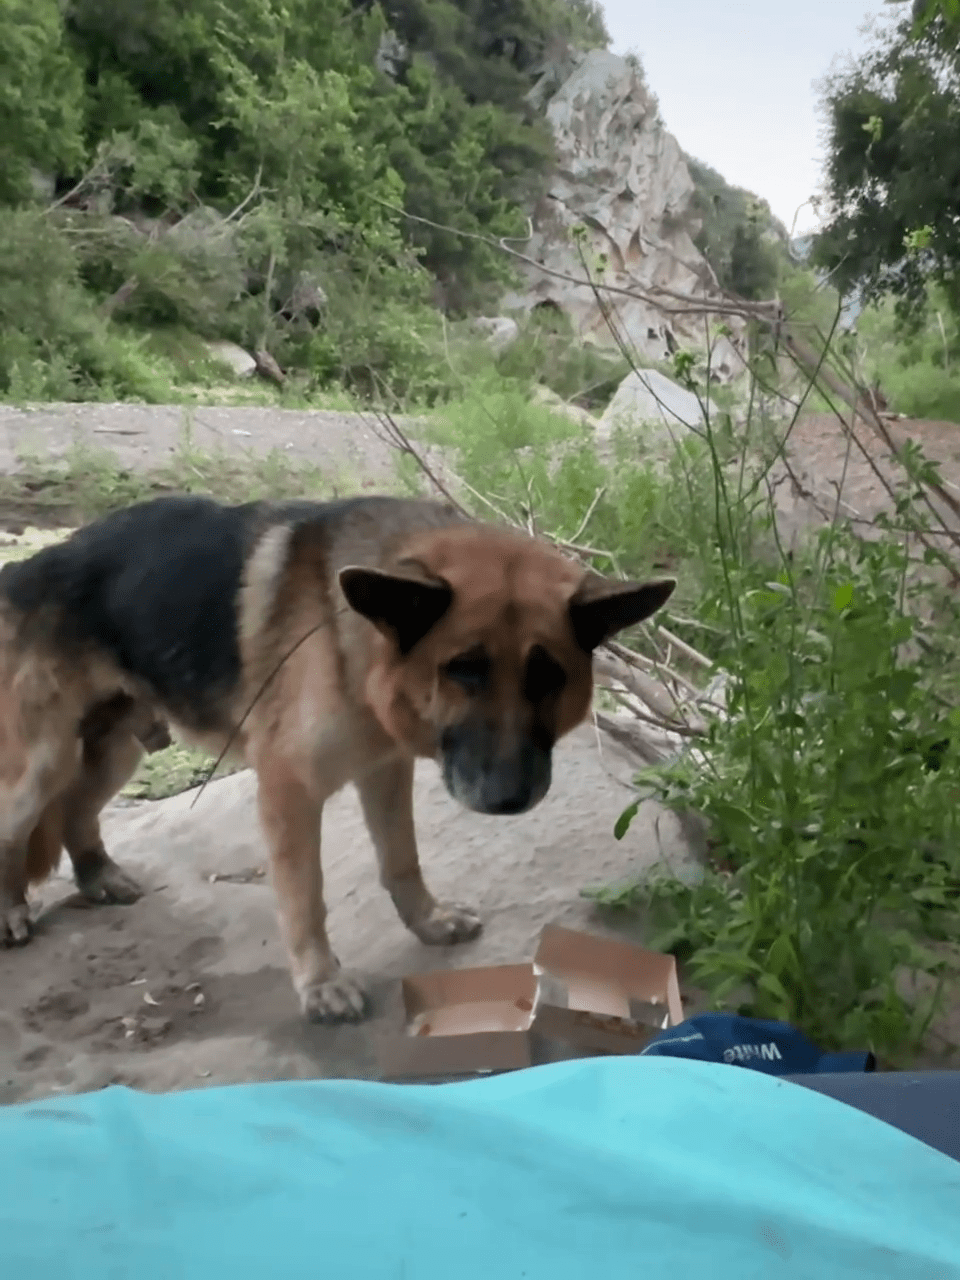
736	82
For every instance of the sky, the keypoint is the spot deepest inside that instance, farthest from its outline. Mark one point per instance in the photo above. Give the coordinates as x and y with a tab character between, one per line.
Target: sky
736	83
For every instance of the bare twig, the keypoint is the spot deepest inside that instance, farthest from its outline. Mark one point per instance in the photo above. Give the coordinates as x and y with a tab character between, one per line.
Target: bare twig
590	510
251	195
119	297
633	659
394	435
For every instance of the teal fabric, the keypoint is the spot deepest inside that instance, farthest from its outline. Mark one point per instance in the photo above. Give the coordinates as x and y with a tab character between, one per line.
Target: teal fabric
626	1167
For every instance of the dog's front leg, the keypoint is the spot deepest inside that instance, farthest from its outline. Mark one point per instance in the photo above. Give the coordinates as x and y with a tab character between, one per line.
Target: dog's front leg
386	795
291	814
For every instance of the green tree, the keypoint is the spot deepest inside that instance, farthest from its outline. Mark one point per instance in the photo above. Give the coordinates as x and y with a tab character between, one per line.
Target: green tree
489	48
225	161
925	11
738	235
463	166
893	168
41	96
452	125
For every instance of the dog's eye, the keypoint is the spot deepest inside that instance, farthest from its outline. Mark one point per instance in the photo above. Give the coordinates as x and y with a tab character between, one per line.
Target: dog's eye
470	671
544	676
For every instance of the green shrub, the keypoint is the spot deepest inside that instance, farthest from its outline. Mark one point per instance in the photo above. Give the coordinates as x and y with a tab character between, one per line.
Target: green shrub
915	360
829	788
53	344
547	353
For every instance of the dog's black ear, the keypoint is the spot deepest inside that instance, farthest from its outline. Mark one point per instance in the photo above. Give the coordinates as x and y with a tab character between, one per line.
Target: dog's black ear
403	608
600	608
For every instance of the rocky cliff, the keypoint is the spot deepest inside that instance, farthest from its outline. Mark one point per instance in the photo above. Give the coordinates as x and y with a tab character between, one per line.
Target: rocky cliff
622	178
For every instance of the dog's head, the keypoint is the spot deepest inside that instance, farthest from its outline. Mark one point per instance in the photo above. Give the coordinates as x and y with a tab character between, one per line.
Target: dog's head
484	654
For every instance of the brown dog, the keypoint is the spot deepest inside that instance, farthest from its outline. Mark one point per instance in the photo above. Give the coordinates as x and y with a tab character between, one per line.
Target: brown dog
336	642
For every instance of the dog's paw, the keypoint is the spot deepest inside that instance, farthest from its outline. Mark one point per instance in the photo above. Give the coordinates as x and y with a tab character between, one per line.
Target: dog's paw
446	924
15	928
101	880
341	998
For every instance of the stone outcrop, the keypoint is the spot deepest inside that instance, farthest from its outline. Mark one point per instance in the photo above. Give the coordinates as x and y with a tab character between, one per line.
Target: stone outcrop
622	178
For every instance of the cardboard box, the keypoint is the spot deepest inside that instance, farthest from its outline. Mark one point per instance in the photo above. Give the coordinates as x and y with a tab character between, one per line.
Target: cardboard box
600	995
581	996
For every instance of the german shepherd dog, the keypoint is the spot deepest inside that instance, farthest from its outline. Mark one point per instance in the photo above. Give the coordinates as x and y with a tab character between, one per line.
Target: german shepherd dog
332	642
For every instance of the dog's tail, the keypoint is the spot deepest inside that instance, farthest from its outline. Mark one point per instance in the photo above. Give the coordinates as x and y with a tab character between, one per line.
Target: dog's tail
45	845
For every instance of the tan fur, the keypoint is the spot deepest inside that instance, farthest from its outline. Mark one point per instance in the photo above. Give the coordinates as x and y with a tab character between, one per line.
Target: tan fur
327	696
53	783
44	846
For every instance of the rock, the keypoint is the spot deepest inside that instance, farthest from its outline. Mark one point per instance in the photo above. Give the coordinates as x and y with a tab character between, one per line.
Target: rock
501	331
239	361
622	178
649	399
544	396
392	55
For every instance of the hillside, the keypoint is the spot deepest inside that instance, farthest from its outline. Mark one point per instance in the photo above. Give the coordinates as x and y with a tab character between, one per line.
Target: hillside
149	197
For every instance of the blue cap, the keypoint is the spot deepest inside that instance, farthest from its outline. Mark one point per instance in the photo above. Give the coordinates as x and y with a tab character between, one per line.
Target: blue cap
773	1047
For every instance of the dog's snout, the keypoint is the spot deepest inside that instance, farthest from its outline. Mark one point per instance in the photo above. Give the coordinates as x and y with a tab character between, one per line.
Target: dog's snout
517	796
492	772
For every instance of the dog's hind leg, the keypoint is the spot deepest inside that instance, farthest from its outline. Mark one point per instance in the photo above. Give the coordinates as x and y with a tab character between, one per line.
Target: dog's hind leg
30	830
108	762
386	796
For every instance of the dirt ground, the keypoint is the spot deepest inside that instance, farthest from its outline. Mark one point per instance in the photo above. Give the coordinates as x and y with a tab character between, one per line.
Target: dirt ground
189	986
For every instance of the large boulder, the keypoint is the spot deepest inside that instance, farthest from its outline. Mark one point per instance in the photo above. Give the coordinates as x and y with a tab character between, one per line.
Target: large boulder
240	363
622	179
648	402
500	331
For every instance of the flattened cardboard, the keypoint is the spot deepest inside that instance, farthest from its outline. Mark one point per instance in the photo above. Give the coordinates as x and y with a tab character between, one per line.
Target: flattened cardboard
582	995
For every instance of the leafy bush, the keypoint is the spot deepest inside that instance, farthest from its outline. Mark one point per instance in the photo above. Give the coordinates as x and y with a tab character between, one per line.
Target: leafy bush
53	344
833	840
829	787
547	353
527	460
379	347
41	97
915	360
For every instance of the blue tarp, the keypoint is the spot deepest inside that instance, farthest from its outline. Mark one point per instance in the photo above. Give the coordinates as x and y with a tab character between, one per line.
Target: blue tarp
608	1168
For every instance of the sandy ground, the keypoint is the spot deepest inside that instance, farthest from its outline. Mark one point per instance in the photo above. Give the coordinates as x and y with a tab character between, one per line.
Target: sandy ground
189	986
